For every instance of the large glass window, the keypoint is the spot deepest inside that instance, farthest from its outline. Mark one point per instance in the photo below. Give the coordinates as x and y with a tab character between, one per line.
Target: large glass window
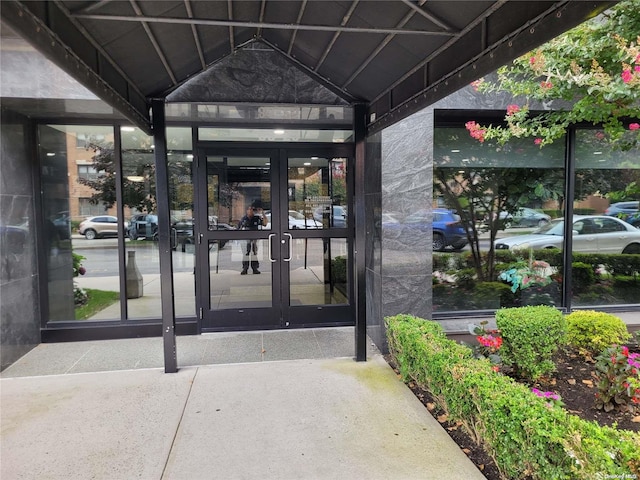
606	252
489	200
81	227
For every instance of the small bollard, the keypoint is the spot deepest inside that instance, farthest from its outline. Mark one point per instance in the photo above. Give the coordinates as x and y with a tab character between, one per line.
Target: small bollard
134	277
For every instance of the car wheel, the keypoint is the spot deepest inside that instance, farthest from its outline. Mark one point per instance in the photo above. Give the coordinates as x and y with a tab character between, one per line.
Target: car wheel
90	234
632	249
542	222
506	224
438	242
132	235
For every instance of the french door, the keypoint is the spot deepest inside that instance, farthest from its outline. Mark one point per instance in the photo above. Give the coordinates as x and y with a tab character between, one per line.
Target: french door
274	239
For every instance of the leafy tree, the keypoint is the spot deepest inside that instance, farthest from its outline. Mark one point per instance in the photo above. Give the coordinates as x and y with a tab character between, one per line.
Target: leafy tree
594	69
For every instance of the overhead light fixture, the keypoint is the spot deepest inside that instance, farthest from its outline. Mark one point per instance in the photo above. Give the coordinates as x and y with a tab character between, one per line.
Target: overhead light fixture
189	156
128	129
307	164
268	164
278	131
597	153
455	151
135	178
51	154
314	158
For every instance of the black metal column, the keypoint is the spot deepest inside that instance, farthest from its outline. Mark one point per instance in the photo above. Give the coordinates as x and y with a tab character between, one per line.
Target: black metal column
570	188
360	264
164	237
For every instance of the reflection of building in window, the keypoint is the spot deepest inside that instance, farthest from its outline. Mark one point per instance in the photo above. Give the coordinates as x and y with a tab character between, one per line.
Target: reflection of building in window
83	140
88	209
87	172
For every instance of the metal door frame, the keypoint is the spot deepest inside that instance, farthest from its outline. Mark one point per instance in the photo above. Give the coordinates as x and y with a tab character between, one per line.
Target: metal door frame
281	315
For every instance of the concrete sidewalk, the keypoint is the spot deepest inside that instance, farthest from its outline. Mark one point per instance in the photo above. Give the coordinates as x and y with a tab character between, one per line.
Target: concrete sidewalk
312	416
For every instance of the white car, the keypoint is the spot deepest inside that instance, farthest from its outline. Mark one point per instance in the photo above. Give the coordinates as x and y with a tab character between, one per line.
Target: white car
296	221
591	234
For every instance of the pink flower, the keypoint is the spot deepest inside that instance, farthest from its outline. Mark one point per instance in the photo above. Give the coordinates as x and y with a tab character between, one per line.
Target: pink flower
537	141
475	84
626	75
546	85
638	58
636	69
532	60
475	130
599	135
511	109
634	126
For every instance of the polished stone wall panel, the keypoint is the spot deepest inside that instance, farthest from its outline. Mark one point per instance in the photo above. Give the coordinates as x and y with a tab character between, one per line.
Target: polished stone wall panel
19	308
255	74
407	188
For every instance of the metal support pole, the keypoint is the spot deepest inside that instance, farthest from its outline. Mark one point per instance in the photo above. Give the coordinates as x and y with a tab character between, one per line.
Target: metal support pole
567	253
360	218
164	237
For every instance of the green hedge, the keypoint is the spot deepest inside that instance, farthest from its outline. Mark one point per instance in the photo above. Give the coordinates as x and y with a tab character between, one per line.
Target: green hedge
522	434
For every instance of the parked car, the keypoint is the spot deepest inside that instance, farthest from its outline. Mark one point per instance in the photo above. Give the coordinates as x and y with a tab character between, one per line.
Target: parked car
99	226
296	220
447	227
143	225
624	210
591	234
524	217
337	217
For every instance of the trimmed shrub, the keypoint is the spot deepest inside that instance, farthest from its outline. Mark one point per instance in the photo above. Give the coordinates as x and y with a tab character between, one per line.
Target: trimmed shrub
531	335
583	276
525	437
591	332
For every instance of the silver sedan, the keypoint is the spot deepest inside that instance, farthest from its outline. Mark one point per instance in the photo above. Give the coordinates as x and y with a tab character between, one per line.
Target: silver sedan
591	234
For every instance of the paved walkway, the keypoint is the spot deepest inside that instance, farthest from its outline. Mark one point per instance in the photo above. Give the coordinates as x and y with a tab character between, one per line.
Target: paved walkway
256	405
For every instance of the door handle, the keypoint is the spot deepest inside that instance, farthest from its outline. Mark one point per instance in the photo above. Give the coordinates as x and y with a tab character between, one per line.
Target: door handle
290	248
271	235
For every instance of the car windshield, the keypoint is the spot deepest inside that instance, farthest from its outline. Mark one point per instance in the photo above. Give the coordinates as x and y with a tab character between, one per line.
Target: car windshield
555	227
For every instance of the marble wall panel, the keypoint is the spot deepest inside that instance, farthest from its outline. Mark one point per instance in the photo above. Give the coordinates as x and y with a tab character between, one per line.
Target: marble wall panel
19	308
407	188
255	74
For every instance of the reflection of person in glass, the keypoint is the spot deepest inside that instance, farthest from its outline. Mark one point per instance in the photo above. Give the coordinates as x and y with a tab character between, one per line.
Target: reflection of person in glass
251	221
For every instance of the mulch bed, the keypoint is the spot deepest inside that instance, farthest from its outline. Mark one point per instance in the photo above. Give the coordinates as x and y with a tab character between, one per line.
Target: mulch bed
573	381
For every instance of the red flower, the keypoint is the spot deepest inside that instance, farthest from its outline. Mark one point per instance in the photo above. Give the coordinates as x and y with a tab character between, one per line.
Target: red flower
546	85
626	75
511	109
537	141
634	126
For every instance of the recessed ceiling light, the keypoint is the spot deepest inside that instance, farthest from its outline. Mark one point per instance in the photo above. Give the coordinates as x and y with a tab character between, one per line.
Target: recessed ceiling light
314	158
128	129
455	151
279	131
597	153
189	155
306	164
135	178
51	154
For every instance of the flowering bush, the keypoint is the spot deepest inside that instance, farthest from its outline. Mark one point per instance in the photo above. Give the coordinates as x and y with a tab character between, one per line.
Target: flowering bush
595	67
489	342
618	374
80	296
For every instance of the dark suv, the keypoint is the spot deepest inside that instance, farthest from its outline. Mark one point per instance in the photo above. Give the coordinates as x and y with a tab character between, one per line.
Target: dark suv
143	225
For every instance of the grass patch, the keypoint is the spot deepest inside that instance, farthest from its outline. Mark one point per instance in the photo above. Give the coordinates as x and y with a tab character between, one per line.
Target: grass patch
98	300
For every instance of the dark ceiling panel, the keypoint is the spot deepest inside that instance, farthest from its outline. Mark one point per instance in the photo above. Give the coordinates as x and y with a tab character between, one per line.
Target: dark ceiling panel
379	52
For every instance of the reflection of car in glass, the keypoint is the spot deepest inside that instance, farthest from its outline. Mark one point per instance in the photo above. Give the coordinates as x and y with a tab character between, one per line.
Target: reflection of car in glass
524	217
446	226
182	231
98	227
296	221
14	239
627	211
338	218
591	234
143	225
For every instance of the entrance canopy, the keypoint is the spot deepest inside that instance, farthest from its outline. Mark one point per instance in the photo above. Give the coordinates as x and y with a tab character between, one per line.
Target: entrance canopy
395	57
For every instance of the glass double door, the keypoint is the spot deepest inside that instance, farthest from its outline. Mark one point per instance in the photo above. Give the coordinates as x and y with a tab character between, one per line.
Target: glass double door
273	238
